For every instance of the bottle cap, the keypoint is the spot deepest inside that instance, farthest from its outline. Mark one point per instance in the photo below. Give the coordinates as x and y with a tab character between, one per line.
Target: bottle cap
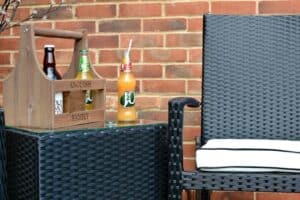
49	46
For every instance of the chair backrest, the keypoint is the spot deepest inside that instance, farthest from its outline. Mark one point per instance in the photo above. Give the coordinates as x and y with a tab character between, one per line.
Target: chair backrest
251	77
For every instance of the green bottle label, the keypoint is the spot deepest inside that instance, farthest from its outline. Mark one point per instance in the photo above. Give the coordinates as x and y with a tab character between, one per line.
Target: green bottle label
84	64
128	99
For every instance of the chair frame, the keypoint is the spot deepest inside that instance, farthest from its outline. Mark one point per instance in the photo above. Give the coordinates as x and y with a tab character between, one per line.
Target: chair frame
204	182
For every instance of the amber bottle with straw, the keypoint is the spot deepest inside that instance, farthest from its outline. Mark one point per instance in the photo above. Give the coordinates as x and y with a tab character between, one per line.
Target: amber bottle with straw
126	90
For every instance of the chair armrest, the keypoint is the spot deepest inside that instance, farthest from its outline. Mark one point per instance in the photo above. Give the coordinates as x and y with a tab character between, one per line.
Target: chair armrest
175	125
180	102
175	135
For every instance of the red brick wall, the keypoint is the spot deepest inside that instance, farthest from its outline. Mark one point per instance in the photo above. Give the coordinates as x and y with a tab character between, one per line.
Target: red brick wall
167	50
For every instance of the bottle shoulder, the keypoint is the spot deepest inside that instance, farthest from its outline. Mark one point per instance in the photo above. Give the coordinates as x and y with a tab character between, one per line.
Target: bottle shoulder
84	76
126	77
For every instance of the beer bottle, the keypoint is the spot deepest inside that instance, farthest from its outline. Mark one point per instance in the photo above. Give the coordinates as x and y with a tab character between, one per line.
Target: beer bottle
84	73
126	90
49	68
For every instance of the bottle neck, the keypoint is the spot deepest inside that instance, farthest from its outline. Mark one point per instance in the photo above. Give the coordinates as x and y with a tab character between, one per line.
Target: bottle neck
84	64
49	58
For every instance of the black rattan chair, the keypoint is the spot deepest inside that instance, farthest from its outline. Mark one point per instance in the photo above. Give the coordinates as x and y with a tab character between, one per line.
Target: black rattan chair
251	89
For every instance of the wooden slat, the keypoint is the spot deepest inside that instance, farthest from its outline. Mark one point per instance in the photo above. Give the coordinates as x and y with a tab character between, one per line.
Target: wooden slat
76	118
75	85
57	33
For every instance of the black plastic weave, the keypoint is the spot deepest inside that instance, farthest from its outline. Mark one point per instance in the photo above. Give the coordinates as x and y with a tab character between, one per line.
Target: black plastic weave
250	90
251	77
126	163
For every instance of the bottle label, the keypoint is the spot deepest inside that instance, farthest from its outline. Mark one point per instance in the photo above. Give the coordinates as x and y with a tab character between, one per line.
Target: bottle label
50	73
88	97
58	103
126	67
128	99
84	64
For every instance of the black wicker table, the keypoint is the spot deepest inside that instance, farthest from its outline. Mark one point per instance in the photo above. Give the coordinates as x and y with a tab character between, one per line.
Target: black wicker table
110	163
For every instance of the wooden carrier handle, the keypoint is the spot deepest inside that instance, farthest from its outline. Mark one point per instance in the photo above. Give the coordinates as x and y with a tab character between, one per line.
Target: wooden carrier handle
58	33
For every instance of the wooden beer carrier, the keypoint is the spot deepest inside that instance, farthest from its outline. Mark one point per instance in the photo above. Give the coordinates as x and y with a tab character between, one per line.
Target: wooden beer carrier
29	95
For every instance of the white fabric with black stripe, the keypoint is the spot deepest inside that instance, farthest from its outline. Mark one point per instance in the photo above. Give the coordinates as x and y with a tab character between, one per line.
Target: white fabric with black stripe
250	155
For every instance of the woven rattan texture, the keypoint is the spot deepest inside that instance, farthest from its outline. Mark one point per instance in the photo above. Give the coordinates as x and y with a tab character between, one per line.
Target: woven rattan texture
125	163
251	77
250	90
3	173
260	182
22	166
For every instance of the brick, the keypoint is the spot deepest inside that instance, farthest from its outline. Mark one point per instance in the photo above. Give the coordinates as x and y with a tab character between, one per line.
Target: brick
58	42
107	71
186	8
111	102
111	85
103	41
22	13
131	25
62	12
165	55
195	55
1	100
4	58
89	26
156	25
194	87
169	86
233	7
277	196
147	102
195	24
96	11
184	40
142	40
148	71
115	56
283	6
189	150
157	115
189	165
164	102
183	71
62	69
5	71
9	43
191	132
192	118
1	91
6	32
63	57
140	10
232	195
78	1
